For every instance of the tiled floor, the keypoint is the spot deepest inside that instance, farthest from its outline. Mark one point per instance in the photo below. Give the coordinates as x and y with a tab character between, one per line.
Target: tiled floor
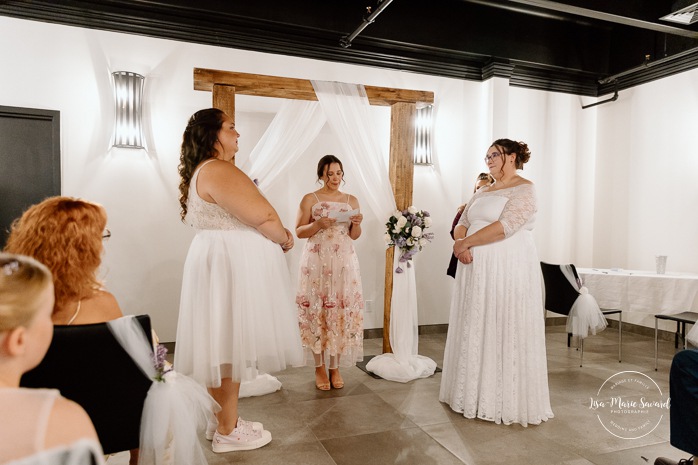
374	421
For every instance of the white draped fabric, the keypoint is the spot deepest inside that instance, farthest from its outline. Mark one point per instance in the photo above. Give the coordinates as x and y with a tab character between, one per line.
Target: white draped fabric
294	127
585	315
174	409
348	113
404	364
347	110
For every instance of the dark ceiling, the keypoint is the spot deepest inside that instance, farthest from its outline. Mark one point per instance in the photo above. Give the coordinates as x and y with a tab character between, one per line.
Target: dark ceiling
585	47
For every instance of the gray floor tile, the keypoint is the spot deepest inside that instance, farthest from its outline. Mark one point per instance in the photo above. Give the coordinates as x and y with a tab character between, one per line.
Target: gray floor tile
373	421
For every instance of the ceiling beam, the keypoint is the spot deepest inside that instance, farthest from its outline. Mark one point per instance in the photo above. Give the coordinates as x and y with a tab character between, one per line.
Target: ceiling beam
603	16
298	89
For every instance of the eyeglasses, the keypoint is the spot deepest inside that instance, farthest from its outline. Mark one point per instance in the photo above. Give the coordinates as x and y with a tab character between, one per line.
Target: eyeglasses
492	157
106	235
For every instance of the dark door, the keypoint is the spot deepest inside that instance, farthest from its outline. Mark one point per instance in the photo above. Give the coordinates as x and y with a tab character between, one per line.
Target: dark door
30	161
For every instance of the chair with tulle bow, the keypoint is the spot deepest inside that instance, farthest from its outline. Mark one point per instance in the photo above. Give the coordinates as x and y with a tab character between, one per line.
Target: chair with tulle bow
566	295
88	365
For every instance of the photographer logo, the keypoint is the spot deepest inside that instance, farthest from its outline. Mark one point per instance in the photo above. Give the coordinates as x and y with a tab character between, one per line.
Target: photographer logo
630	405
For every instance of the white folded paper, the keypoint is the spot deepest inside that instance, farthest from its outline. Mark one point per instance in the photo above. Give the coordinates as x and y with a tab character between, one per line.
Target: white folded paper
343	217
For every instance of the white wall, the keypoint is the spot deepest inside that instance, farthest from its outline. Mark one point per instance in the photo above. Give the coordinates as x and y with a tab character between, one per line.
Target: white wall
68	69
616	183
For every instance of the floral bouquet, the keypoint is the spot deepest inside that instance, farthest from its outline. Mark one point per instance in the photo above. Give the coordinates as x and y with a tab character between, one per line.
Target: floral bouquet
405	229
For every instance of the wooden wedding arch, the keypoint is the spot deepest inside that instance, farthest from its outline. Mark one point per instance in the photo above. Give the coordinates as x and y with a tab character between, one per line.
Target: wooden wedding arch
403	105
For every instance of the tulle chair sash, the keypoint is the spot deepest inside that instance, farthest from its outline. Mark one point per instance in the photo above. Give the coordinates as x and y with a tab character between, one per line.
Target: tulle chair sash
175	408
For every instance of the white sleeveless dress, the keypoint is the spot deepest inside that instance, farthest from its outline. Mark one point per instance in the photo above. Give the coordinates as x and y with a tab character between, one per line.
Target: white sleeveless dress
237	314
495	365
24	419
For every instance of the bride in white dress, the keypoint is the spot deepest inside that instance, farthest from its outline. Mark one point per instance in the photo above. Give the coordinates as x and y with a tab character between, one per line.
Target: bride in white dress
237	316
495	365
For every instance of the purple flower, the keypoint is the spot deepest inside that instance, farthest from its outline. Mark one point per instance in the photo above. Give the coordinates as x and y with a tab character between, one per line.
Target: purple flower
398	270
160	362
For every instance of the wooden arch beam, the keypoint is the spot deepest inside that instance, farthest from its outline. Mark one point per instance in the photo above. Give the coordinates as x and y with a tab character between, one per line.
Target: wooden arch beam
298	89
404	103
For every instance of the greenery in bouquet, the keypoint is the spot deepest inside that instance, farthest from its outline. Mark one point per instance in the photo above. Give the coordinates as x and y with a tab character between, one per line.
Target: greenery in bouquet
406	231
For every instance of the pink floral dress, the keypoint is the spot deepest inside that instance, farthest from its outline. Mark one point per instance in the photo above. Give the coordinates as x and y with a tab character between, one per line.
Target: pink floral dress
329	298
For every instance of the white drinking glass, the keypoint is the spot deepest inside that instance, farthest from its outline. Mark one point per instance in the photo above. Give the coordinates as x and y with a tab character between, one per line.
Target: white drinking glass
660	262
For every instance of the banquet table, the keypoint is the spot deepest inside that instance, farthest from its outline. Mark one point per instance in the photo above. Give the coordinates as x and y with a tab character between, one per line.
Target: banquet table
642	291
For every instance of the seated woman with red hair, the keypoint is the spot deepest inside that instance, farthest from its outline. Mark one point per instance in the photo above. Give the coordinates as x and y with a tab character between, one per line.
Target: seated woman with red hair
66	235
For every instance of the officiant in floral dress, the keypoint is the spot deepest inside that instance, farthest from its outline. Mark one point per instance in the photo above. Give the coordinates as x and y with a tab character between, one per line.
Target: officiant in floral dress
329	296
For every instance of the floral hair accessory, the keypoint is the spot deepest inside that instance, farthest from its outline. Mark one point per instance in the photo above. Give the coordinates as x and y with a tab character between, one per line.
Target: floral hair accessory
11	267
405	230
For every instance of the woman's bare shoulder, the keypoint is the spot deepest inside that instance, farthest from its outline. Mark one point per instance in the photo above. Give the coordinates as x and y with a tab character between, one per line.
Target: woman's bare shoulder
309	199
101	306
353	201
68	423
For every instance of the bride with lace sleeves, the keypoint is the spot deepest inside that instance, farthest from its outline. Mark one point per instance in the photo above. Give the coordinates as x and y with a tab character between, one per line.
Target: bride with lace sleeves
495	365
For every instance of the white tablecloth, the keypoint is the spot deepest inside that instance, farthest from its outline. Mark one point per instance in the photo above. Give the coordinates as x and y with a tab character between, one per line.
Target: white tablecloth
642	291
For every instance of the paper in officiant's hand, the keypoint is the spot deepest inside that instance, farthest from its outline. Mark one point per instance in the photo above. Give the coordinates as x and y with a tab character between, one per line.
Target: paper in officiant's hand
343	217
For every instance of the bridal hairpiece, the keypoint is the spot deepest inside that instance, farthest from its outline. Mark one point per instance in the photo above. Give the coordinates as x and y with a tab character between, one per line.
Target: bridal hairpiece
9	268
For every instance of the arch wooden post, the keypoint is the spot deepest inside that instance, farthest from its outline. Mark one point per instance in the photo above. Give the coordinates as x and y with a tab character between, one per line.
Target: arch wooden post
401	171
224	99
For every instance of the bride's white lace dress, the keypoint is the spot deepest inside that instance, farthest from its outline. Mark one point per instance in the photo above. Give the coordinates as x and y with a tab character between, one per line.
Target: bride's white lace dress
495	364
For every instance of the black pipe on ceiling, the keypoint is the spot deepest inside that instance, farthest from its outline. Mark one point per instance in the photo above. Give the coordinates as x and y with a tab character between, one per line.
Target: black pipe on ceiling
612	99
648	64
345	41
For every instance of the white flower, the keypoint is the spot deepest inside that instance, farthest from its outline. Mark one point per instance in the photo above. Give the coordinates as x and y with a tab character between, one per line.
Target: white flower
416	231
412	209
427	222
397	213
423	241
396	230
387	238
410	242
401	221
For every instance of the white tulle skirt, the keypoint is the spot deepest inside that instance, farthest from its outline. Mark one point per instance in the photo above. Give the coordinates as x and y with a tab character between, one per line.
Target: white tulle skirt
237	315
495	365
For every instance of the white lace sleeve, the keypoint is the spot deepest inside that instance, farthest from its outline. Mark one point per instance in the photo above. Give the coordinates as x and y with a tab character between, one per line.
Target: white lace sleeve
519	209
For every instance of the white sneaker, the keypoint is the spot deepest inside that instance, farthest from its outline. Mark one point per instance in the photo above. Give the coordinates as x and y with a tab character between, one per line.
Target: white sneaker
213	424
242	438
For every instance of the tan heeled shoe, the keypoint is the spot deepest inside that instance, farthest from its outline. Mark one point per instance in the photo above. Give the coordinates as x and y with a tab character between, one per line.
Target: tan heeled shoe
336	379
321	380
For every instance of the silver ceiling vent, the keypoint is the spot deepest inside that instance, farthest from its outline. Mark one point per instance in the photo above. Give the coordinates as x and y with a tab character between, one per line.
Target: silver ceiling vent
688	15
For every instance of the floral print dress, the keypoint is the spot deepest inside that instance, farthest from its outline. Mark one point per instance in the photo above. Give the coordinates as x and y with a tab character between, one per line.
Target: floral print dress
329	298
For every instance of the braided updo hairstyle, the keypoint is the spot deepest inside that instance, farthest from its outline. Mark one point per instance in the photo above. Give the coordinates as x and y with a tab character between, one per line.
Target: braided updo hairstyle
200	136
508	147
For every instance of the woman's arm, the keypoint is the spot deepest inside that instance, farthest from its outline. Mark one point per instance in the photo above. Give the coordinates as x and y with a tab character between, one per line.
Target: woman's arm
305	225
235	192
518	210
355	226
493	232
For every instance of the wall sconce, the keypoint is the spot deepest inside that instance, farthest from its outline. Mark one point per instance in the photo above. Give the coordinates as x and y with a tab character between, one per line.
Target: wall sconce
128	94
422	136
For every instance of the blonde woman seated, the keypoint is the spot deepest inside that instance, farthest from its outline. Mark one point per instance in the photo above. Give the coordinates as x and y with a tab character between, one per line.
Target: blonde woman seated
66	235
36	425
